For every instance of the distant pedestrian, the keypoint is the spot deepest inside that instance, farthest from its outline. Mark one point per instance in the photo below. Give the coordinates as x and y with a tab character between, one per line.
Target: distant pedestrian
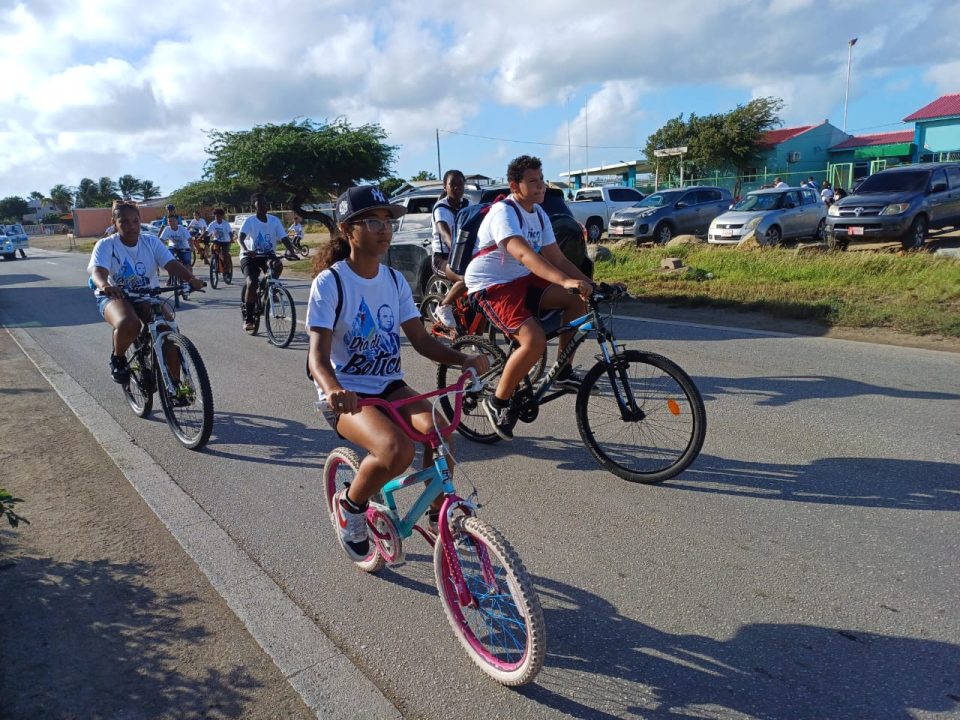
826	195
839	193
812	184
779	183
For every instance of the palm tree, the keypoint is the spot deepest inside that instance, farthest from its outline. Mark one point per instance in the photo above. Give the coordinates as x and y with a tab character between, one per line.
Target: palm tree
106	191
62	197
148	190
128	186
87	193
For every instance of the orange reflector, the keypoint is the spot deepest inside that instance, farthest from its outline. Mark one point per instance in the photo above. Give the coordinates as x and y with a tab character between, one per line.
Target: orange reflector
673	406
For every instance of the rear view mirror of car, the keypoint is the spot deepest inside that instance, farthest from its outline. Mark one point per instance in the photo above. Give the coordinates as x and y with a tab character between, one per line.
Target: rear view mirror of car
939	187
680	205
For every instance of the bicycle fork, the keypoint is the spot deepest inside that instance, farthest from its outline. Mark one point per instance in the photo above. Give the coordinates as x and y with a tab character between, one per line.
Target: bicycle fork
616	367
464	597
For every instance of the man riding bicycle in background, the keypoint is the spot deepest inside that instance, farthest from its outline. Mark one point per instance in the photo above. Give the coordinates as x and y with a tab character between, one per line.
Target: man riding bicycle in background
129	259
258	239
221	233
199	236
178	240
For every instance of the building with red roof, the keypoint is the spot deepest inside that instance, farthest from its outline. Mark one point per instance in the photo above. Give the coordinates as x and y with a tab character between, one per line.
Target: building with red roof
937	129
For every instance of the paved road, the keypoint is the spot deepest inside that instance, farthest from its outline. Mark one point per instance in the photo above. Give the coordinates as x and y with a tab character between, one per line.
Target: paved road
805	566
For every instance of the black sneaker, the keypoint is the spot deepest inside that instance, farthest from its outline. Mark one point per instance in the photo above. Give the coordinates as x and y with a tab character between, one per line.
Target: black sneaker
119	370
501	419
569	380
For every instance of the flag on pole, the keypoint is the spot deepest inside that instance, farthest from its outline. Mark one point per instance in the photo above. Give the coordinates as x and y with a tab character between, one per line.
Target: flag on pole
853	42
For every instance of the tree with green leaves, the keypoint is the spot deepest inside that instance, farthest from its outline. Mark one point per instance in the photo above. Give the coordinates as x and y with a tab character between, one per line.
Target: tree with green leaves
392	184
728	142
87	193
148	190
107	192
13	208
210	193
423	175
129	186
62	197
300	161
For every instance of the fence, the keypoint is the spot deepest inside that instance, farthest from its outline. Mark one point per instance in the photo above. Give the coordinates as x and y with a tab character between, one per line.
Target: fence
46	229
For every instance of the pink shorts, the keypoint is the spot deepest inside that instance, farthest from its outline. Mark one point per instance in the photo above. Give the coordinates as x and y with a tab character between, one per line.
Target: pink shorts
510	305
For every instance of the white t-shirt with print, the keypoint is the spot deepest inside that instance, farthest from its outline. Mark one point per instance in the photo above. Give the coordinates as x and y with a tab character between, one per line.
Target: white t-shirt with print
220	231
296	229
502	222
130	267
445	212
365	351
178	239
198	223
262	237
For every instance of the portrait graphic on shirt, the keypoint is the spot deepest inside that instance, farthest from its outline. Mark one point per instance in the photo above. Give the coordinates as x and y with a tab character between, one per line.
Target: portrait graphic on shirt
262	244
131	277
373	345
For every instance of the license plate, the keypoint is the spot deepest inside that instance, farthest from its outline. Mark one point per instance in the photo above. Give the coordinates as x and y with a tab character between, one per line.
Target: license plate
617	231
725	233
854	230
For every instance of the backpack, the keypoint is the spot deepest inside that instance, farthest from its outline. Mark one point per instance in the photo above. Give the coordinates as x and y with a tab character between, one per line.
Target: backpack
468	225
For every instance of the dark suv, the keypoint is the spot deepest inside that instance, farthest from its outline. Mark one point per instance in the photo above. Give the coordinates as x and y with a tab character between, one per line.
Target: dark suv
410	249
901	203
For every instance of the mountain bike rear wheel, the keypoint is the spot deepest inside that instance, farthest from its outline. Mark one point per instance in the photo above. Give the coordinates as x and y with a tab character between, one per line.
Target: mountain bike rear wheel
648	424
280	316
139	391
502	628
474	424
339	470
189	411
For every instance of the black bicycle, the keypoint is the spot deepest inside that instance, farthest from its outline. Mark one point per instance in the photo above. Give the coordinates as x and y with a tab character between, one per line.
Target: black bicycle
217	253
179	287
164	361
639	414
274	304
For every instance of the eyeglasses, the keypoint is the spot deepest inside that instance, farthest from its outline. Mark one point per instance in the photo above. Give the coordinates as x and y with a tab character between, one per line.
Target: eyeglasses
377	225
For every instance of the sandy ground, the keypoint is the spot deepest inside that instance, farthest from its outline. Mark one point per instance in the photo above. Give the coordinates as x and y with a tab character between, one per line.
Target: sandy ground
103	613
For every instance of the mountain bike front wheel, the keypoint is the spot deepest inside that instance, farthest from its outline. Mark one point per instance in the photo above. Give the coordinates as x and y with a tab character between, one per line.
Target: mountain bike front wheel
339	470
502	627
474	424
280	316
189	409
214	272
641	417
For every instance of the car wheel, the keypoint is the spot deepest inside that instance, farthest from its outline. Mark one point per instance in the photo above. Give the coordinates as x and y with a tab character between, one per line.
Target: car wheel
772	237
821	230
594	230
916	235
663	233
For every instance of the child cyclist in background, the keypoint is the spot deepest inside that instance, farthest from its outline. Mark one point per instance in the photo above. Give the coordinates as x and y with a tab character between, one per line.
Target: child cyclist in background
356	306
444	226
517	271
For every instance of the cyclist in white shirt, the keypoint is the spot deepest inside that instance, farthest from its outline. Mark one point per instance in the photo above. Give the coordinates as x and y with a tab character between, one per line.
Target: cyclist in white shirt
221	233
178	240
129	259
258	240
198	235
444	225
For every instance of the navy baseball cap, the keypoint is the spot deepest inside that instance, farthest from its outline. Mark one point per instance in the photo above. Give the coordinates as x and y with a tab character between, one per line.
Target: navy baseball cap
358	200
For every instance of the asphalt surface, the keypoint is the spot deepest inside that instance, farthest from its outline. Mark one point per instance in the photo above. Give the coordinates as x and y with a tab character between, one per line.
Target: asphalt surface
805	566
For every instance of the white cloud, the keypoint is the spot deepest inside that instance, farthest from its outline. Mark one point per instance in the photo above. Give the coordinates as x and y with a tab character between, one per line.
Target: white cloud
100	84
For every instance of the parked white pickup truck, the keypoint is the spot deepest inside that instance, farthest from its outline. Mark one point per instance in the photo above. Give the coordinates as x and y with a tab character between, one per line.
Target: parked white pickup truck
592	207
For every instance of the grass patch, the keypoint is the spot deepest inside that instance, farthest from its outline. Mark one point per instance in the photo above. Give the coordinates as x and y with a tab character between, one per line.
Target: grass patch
917	293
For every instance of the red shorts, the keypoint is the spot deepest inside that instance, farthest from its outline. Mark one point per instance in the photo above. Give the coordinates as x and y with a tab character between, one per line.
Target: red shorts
510	305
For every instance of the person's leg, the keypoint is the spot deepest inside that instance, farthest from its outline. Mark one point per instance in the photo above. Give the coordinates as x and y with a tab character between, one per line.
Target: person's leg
555	297
531	341
226	259
122	317
251	270
390	451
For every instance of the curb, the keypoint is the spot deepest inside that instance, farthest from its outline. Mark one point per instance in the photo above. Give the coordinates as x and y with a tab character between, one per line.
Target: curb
310	662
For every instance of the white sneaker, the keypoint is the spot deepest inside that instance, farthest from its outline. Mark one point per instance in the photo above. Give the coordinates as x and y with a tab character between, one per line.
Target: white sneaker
351	529
445	315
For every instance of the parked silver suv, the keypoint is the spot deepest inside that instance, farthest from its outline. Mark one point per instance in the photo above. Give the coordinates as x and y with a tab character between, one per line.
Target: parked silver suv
667	213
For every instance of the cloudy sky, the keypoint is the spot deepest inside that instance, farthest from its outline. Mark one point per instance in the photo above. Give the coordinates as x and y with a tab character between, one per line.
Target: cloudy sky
108	87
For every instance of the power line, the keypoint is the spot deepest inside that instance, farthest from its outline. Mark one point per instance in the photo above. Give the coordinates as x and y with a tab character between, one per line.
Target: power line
534	142
875	127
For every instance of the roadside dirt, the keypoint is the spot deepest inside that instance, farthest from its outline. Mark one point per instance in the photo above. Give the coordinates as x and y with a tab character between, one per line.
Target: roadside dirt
104	615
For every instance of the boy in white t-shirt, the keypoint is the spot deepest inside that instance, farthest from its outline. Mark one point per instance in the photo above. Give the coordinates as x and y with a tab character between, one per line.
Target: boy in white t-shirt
517	271
198	235
355	353
221	233
258	240
444	223
177	239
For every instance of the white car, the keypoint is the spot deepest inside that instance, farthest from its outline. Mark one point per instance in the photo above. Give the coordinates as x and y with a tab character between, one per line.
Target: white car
774	215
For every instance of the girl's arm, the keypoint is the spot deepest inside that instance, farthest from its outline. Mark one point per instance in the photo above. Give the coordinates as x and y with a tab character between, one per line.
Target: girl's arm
323	374
432	349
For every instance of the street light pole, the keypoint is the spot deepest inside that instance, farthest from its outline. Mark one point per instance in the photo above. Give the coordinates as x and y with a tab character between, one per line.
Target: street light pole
846	95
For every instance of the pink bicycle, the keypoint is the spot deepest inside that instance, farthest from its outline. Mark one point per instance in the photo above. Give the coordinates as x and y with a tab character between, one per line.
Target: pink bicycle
486	592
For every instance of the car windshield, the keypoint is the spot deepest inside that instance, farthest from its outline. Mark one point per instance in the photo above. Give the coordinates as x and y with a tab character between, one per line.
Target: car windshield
907	181
766	201
658	200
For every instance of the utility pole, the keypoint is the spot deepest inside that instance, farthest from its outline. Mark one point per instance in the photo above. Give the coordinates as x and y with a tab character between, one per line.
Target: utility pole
586	141
439	170
846	95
